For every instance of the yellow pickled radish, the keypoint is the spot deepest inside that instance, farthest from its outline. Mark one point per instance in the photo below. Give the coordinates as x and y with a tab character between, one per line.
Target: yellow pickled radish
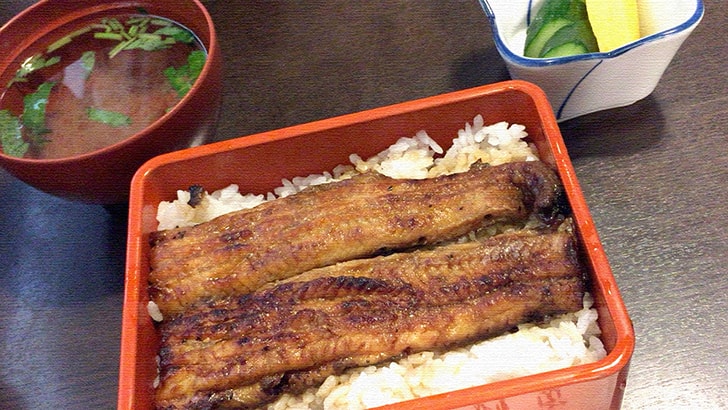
614	22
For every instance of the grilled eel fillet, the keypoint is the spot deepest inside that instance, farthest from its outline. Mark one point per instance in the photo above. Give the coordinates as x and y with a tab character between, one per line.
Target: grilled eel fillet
322	225
241	352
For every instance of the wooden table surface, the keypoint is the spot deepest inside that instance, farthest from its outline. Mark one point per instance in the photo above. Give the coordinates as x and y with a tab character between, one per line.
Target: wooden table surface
655	175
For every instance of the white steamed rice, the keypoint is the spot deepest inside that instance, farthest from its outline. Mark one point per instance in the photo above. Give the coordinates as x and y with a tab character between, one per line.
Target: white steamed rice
564	341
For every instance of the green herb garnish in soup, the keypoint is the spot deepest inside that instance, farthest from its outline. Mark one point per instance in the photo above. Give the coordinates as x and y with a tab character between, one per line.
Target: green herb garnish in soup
34	112
182	78
113	118
10	135
96	83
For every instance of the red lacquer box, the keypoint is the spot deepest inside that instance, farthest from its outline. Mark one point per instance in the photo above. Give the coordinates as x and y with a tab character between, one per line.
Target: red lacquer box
257	163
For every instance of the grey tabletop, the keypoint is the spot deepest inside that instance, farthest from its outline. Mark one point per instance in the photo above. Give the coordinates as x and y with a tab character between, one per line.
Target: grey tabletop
654	174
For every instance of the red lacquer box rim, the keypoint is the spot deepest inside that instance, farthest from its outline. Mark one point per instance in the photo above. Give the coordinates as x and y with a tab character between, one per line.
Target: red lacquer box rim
513	101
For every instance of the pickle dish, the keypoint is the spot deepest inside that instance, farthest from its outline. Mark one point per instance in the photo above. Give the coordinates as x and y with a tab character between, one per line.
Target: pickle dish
591	81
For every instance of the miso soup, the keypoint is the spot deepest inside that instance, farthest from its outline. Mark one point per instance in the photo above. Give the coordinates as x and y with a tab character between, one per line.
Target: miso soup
96	83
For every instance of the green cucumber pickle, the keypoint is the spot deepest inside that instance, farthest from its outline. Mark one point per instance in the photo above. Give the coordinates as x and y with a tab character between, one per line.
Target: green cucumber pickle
560	28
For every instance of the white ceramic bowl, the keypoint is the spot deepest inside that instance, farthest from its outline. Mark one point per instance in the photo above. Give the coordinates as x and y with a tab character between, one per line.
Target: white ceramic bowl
581	84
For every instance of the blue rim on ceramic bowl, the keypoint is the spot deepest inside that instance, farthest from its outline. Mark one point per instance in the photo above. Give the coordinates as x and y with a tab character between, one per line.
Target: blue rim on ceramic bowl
506	52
